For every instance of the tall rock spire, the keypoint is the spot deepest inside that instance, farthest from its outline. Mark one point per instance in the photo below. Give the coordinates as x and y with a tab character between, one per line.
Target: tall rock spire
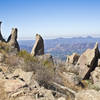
12	40
38	48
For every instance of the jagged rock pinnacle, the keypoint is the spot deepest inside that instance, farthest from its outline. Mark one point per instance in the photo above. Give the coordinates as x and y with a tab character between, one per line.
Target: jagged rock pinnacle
12	40
38	48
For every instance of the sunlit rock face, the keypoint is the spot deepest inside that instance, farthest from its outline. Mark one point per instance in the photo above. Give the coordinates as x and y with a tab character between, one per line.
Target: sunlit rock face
72	59
88	62
38	48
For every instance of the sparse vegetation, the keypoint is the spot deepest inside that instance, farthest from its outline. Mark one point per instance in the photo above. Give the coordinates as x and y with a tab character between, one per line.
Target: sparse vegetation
27	57
45	71
12	60
4	48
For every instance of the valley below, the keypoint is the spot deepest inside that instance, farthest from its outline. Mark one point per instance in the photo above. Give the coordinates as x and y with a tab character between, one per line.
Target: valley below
59	48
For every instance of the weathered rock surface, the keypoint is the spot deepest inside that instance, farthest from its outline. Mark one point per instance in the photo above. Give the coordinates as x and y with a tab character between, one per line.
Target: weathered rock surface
72	59
47	94
88	62
20	74
12	40
98	63
13	85
88	95
46	57
25	98
26	76
20	86
61	98
70	78
38	48
71	68
71	62
95	75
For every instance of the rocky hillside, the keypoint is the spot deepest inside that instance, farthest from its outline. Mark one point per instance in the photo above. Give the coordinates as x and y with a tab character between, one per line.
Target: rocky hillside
37	76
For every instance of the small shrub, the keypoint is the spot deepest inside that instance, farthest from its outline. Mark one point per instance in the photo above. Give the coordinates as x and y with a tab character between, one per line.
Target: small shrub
12	60
27	57
47	63
44	75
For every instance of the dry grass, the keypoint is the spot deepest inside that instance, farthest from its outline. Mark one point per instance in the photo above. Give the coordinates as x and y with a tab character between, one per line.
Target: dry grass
12	60
44	75
27	56
4	47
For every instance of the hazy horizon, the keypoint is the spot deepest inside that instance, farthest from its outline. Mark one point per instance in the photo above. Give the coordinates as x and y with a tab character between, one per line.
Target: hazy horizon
50	18
78	37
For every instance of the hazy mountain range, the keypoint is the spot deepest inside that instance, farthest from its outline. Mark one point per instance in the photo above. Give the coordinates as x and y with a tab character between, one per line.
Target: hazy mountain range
60	47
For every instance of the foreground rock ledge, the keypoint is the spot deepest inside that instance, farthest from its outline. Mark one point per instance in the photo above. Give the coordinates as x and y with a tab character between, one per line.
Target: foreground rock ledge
87	95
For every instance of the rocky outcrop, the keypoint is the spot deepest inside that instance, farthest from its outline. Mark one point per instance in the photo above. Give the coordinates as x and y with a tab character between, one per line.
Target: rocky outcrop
61	98
71	62
87	95
70	78
38	48
95	75
73	58
1	38
12	40
95	78
46	57
13	85
88	62
25	98
98	62
26	76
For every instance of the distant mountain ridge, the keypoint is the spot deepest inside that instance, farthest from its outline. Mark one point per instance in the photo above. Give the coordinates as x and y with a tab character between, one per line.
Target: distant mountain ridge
60	47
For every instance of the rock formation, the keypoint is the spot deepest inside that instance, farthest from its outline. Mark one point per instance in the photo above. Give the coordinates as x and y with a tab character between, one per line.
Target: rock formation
87	95
46	57
98	62
88	62
95	75
73	58
1	38
12	40
38	48
70	78
71	62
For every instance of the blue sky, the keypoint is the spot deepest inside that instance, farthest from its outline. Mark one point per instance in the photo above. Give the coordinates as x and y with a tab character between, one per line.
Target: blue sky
50	18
